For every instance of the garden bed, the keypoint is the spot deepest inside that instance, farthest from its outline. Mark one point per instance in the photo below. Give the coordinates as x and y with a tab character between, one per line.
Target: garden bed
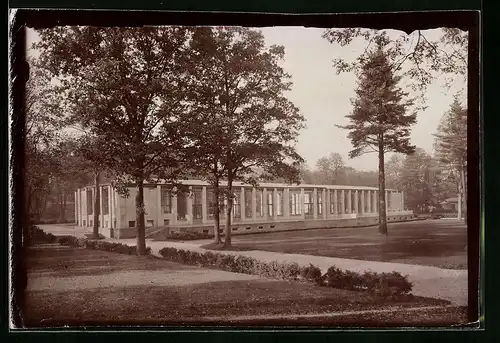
386	285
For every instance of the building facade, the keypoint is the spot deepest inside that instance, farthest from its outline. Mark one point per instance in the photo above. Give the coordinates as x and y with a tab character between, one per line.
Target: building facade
268	207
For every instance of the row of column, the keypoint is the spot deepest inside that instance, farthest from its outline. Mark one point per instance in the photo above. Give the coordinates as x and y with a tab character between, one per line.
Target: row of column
327	210
81	203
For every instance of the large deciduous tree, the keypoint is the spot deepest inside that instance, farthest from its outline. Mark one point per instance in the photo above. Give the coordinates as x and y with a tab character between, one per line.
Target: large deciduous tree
451	147
240	102
125	84
381	118
41	135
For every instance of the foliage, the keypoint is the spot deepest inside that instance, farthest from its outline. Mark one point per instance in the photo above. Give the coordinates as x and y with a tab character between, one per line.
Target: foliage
451	146
393	168
188	235
126	84
36	235
379	284
419	56
42	131
312	273
99	245
241	117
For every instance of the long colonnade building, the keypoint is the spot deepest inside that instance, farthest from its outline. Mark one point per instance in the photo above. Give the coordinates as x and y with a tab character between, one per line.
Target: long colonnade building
268	207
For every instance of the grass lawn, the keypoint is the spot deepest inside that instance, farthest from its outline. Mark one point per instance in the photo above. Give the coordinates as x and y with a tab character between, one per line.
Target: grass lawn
69	286
439	243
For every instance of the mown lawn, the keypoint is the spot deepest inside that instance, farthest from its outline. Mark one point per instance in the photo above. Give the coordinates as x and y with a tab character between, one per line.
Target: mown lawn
142	302
440	243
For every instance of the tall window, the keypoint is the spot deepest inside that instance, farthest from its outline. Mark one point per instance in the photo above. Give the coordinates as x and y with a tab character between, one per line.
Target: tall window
308	203
248	203
270	209
260	203
236	205
90	202
166	200
279	207
320	201
197	208
295	204
105	200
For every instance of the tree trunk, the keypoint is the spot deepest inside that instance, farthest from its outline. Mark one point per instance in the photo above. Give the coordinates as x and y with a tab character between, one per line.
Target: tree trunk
227	240
217	239
382	216
464	191
140	211
63	207
97	206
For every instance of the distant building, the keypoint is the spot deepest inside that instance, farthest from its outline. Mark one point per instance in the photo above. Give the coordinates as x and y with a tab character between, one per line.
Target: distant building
269	207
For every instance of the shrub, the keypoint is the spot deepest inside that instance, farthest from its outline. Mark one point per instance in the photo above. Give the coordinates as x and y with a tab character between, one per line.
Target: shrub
379	284
188	235
71	241
36	235
312	273
338	278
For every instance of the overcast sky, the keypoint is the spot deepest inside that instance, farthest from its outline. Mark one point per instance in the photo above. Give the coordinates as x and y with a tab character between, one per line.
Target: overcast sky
323	97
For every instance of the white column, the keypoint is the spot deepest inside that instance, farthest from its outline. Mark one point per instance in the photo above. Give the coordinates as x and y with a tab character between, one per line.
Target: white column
335	203
327	204
275	204
402	201
286	203
324	203
189	201
315	203
386	201
159	214
362	209
242	204
101	216
349	202
204	205
302	206
76	207
254	203
356	201
263	203
117	210
110	207
174	208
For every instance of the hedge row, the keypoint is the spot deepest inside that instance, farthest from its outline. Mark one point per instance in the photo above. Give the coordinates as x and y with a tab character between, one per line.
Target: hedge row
100	245
380	284
187	236
36	235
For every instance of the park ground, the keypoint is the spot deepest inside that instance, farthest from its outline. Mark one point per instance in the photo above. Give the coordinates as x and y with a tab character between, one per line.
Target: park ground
439	243
75	286
68	286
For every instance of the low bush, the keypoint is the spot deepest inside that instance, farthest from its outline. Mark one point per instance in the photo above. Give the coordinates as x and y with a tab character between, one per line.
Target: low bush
188	236
379	284
312	273
99	245
36	236
71	241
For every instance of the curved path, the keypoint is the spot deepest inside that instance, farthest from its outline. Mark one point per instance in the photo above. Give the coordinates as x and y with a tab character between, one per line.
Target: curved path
432	282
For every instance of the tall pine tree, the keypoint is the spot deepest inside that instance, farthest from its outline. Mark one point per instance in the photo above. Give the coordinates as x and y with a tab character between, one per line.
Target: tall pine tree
380	120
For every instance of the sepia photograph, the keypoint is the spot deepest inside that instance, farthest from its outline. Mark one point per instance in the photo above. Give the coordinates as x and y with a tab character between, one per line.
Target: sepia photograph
245	175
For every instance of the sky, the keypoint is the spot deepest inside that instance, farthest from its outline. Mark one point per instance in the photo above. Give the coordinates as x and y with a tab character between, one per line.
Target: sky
323	97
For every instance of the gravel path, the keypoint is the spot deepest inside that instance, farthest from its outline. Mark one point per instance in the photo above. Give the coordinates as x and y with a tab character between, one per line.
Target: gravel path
41	282
432	282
